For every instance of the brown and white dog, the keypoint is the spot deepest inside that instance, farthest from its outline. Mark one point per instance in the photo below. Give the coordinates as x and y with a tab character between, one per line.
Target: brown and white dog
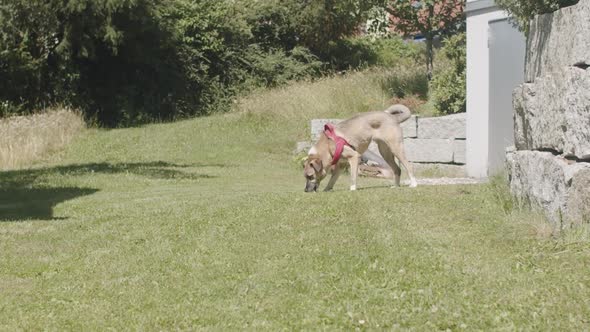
352	137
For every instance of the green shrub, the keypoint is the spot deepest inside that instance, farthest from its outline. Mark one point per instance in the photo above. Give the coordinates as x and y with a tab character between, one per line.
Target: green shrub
276	67
448	85
350	53
361	52
403	61
394	51
523	11
406	81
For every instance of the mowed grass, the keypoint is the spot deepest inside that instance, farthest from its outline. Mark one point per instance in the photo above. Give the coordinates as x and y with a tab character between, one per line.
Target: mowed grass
203	224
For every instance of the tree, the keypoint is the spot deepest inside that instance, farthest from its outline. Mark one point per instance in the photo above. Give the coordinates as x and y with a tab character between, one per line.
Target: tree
448	86
131	61
523	11
314	24
325	21
27	41
120	61
426	17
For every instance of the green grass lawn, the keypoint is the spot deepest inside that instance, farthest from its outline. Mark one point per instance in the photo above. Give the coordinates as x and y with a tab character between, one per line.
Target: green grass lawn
203	224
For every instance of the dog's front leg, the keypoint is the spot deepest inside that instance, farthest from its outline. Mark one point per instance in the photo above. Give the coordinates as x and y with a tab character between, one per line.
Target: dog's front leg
333	178
354	170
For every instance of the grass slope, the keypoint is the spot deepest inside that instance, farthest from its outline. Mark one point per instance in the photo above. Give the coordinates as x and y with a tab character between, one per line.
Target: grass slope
203	224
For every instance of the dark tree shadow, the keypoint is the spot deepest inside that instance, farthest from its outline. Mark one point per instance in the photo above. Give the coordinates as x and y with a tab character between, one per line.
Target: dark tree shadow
36	203
154	170
24	196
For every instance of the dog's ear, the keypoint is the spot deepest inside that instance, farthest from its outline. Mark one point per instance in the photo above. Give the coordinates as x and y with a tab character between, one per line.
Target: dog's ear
308	169
317	165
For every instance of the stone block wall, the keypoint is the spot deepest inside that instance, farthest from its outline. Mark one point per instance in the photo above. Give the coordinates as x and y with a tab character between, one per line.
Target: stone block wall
550	163
427	141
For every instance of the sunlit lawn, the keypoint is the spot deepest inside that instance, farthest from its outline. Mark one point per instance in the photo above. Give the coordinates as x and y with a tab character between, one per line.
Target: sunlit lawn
203	224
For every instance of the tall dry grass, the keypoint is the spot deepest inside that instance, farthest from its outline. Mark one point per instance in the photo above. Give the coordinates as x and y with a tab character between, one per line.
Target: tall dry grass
329	97
26	139
326	97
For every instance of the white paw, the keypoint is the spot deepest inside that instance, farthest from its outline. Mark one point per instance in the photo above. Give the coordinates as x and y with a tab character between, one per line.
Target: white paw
352	188
413	183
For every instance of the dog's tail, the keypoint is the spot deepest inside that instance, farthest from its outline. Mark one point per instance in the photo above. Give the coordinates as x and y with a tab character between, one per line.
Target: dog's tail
401	112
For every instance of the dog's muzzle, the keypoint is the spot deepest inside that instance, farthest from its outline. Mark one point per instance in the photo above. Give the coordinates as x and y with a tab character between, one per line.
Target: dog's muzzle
311	186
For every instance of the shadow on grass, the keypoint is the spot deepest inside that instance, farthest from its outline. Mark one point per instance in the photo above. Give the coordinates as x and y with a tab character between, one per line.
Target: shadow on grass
23	195
154	170
19	204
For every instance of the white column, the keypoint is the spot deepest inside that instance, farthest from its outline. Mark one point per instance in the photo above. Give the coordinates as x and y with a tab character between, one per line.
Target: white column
478	89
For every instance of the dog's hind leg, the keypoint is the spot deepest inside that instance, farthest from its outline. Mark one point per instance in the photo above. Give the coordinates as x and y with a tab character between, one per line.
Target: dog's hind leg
385	152
398	150
396	146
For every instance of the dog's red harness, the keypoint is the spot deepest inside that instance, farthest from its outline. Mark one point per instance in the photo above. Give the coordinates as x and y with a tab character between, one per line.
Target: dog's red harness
330	132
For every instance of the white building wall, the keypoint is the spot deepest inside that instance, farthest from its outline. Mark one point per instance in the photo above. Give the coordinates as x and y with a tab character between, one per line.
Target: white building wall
479	14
